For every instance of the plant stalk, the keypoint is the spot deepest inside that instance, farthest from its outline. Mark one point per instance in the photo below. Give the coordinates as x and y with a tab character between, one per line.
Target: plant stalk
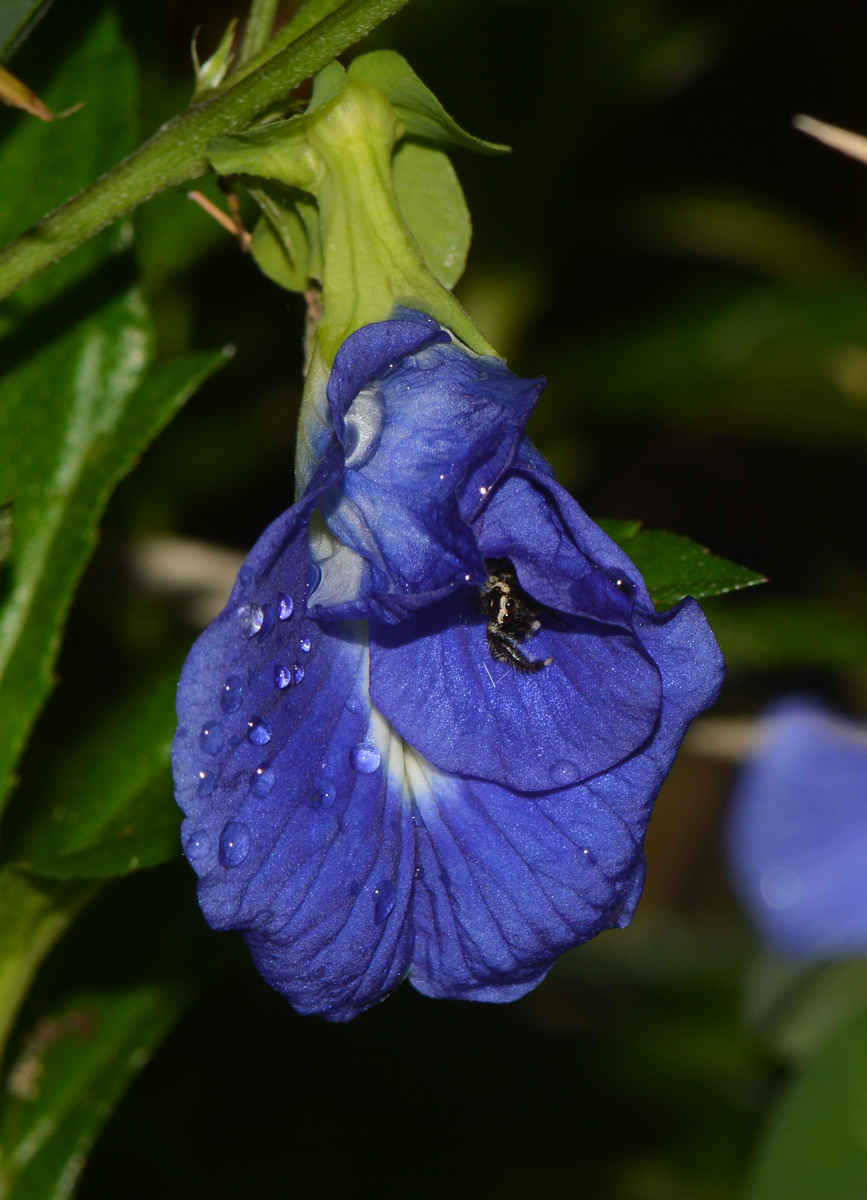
177	152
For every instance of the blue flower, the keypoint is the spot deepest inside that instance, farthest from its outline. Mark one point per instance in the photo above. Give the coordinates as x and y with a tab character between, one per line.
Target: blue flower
798	832
382	781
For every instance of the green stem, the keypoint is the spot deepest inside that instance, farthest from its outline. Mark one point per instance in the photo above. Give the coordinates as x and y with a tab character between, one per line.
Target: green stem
257	31
177	152
314	12
33	915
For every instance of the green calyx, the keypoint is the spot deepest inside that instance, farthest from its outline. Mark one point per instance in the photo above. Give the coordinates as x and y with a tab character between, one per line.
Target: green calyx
355	198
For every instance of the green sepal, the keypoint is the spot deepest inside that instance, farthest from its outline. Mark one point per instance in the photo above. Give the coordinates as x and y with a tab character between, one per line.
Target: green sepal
281	245
432	202
675	567
279	150
415	105
327	83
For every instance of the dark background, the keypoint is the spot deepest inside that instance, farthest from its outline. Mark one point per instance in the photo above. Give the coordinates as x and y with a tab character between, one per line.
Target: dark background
688	272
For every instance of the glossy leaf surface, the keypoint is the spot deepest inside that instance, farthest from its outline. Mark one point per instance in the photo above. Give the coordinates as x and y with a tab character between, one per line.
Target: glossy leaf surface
674	566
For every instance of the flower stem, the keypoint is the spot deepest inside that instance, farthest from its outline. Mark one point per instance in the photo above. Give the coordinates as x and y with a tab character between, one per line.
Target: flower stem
177	152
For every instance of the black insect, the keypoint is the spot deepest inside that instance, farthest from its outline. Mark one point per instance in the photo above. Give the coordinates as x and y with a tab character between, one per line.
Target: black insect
512	617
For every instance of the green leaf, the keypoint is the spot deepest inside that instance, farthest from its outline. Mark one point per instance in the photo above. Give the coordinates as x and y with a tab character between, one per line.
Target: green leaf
73	419
5	531
107	807
416	105
674	566
42	164
68	1078
432	202
815	1148
15	16
798	1004
774	633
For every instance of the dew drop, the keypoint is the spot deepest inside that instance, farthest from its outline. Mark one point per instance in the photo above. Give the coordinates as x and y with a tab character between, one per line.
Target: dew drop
304	645
323	794
258	731
262	780
285	607
282	676
206	779
211	738
384	901
564	771
299	672
231	694
250	618
364	758
196	846
234	844
353	706
268	619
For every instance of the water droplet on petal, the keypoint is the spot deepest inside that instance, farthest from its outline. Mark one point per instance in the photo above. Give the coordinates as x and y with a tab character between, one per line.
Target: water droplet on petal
285	607
250	618
564	771
304	645
258	731
196	846
299	672
268	619
282	676
206	779
323	793
384	900
211	738
353	706
234	844
262	780
364	758
231	694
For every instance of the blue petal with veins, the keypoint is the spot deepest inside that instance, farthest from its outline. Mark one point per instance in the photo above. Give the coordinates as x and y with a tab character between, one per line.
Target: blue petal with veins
369	800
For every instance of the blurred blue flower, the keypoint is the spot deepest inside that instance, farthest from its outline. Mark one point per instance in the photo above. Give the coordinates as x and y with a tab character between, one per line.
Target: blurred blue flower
798	832
424	737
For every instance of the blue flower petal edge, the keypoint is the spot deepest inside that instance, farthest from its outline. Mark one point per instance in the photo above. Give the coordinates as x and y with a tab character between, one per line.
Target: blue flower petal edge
375	799
798	832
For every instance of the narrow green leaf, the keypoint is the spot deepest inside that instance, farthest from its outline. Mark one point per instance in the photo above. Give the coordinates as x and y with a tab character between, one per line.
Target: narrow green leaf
415	104
674	567
210	74
15	17
68	1078
33	915
433	206
815	1148
107	807
41	164
6	511
73	419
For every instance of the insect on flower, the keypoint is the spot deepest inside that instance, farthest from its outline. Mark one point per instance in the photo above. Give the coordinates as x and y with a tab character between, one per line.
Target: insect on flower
512	617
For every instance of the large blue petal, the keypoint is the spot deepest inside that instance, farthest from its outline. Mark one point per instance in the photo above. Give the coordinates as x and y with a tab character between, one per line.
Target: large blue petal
507	882
291	824
798	832
434	677
426	440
